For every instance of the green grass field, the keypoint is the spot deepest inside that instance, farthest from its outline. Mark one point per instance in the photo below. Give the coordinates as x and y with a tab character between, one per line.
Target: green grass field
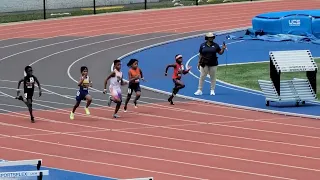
247	75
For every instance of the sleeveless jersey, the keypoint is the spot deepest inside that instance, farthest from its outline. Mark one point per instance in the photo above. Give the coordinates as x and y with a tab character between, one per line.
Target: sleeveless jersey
28	83
134	73
115	82
82	88
177	72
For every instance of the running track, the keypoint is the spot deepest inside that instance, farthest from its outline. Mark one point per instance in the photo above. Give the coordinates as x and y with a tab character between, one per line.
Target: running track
190	140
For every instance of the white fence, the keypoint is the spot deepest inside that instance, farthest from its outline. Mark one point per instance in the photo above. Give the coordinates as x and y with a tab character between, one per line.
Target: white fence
31	5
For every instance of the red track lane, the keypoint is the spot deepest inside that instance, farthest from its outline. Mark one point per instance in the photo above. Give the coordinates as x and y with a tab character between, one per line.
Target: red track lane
181	167
305	133
222	110
125	16
198	147
159	112
102	118
111	158
103	121
252	133
84	144
182	26
190	115
199	114
92	19
273	118
81	165
122	16
46	126
207	162
50	138
224	139
182	157
299	122
95	30
145	118
113	24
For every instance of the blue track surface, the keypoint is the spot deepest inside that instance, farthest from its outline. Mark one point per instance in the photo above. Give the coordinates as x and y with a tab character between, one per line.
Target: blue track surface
54	174
154	60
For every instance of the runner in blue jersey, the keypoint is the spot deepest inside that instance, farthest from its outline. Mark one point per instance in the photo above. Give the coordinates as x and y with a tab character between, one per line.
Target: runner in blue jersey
83	92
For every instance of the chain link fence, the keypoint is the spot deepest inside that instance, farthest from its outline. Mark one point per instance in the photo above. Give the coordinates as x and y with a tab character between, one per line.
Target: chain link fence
26	10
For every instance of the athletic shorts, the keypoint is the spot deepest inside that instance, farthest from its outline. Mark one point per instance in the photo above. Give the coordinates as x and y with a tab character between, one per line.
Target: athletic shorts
133	87
177	82
81	95
115	92
28	95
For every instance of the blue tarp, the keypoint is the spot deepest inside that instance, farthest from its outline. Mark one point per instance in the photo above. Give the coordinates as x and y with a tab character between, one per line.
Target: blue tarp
278	15
296	26
254	35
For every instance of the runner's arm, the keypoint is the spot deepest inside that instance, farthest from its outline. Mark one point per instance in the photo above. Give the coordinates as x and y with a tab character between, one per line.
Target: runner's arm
186	71
80	81
141	74
169	66
38	83
18	89
39	86
122	82
107	79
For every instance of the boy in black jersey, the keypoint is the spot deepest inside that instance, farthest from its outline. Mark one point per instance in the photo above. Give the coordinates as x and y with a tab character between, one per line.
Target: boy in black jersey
28	87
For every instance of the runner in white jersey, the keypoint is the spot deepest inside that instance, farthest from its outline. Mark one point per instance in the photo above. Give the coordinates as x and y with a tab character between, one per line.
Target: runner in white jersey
115	84
116	81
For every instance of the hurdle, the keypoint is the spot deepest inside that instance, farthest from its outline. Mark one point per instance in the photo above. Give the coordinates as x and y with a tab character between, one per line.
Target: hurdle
295	90
19	174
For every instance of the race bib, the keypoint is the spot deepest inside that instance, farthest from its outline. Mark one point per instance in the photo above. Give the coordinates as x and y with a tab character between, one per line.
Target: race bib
30	83
182	68
118	78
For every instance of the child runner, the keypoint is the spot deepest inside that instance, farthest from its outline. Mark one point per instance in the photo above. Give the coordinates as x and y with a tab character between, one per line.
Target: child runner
134	75
176	77
28	87
83	92
116	81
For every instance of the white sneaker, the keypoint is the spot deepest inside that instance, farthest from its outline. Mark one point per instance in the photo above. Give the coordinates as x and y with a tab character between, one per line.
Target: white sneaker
198	93
212	93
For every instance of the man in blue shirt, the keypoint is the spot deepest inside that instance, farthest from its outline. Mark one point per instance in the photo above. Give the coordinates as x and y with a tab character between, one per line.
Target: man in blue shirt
208	62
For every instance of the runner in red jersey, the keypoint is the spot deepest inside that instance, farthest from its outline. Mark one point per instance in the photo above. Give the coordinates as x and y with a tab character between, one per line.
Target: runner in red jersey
176	77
